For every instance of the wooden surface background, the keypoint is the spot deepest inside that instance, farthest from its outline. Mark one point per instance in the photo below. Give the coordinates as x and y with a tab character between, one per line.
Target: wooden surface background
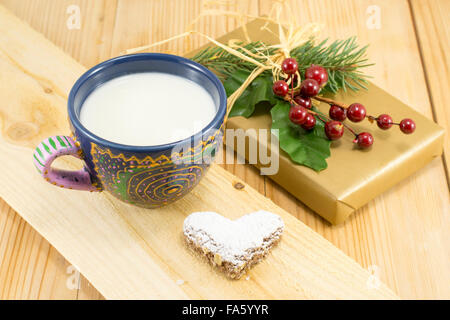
401	236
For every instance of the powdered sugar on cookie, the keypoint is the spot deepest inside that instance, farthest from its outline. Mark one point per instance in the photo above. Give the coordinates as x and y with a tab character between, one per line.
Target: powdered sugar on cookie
234	246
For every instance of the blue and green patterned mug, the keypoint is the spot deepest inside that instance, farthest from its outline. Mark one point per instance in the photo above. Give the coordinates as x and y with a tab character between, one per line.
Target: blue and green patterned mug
146	176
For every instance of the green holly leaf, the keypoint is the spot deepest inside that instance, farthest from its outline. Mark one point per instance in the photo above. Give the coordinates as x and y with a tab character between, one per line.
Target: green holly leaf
308	148
260	90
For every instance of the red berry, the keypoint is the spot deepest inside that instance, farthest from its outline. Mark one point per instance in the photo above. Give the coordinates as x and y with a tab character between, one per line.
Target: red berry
303	102
310	122
280	88
334	130
298	114
337	113
289	66
356	112
309	88
317	73
384	121
407	126
364	140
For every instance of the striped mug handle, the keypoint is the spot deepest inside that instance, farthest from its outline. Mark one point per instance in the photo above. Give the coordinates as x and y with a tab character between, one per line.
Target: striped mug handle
56	146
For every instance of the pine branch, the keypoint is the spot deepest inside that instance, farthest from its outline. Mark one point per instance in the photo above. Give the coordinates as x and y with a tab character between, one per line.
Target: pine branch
224	63
343	60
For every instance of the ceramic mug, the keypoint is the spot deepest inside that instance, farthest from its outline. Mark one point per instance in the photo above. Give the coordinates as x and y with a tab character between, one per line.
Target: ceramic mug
146	176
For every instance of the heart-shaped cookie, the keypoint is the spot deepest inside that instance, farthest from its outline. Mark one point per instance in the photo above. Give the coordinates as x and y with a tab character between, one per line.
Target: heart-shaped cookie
233	245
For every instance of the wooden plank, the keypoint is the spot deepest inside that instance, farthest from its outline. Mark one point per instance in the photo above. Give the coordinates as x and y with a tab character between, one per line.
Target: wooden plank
432	30
129	252
30	268
375	235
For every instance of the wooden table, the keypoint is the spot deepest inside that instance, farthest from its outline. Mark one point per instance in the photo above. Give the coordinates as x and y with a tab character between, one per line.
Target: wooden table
401	236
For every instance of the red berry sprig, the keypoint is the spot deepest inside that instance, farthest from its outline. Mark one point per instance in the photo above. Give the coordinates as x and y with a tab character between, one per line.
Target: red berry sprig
356	112
316	78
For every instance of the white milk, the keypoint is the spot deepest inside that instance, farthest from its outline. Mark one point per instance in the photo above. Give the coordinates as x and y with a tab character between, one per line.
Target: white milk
147	109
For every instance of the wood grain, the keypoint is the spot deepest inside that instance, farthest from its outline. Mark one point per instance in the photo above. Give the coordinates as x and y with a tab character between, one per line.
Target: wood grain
415	265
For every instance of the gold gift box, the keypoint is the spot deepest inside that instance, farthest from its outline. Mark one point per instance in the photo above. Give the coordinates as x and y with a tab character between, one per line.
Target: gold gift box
354	176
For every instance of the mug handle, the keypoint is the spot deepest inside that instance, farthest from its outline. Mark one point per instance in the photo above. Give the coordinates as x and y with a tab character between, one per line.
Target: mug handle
56	146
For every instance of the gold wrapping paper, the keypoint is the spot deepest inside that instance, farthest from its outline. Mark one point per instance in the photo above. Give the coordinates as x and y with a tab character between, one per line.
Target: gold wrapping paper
353	176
